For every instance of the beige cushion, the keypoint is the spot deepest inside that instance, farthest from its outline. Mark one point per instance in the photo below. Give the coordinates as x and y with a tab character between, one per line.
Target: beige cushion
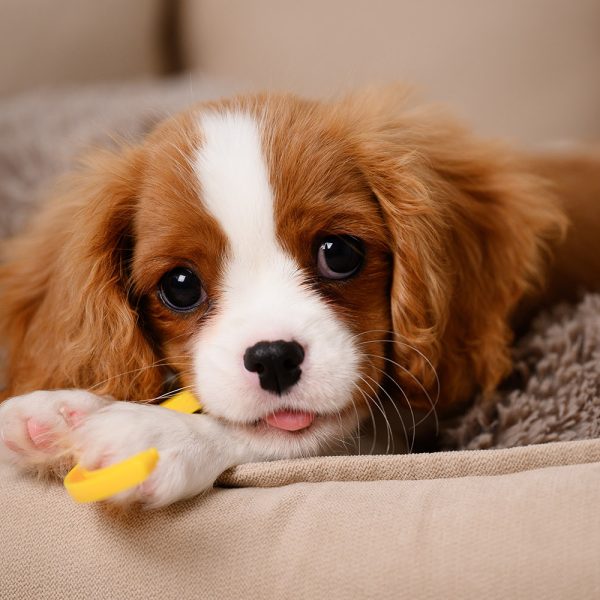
529	70
519	523
46	42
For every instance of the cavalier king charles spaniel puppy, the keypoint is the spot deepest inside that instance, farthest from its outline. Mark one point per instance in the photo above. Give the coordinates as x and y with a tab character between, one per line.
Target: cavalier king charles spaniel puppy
296	264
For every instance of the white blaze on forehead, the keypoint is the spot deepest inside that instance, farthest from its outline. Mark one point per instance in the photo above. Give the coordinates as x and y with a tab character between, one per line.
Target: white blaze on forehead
235	189
263	293
235	181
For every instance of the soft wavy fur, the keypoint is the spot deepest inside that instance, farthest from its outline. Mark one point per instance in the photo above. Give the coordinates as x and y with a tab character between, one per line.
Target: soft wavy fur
65	307
469	228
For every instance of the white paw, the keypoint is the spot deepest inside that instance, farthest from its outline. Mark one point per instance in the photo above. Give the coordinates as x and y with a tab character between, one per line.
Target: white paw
36	429
187	463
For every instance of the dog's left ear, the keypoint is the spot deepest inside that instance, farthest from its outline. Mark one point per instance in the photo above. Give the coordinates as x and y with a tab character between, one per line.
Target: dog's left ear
66	314
469	234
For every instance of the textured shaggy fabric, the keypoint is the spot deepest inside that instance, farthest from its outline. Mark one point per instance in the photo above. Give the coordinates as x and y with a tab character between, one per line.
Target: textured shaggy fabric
554	393
558	364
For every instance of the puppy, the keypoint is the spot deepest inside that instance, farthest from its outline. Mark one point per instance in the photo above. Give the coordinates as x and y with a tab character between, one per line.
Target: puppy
299	265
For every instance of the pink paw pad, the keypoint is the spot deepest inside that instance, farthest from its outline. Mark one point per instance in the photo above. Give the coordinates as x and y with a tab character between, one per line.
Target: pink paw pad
41	435
74	418
11	445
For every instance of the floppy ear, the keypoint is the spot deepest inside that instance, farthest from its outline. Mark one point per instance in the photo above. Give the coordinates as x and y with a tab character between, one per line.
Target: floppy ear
470	231
65	313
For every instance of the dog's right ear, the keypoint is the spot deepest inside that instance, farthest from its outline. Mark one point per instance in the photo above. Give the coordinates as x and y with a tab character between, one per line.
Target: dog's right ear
65	314
470	230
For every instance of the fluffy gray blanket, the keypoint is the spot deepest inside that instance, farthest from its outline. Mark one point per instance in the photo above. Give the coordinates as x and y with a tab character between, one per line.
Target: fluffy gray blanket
555	391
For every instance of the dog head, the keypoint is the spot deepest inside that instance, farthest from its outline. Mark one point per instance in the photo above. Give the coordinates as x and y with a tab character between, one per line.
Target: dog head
297	264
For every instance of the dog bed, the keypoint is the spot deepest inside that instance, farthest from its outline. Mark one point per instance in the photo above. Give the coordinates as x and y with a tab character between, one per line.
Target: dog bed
516	523
480	520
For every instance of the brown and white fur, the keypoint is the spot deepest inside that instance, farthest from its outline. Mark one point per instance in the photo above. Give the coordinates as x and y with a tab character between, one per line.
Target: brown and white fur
455	232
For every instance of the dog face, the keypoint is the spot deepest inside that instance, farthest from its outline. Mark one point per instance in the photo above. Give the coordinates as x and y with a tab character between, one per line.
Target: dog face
295	263
264	265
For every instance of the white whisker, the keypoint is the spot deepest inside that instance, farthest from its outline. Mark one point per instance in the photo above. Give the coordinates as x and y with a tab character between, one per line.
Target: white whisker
366	399
412	414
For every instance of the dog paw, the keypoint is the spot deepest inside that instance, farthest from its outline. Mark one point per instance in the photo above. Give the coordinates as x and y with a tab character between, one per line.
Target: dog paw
186	464
36	429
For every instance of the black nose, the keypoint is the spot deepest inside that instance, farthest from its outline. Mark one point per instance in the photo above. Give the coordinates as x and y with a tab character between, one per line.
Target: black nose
276	363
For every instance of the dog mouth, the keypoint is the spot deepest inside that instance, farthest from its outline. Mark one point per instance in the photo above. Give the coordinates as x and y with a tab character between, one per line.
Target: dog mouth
294	423
289	420
285	423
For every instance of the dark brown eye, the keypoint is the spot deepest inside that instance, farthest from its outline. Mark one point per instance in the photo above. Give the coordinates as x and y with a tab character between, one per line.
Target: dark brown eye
340	256
181	290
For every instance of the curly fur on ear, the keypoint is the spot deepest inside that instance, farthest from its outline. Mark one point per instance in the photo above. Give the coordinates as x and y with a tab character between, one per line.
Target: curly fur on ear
470	231
64	309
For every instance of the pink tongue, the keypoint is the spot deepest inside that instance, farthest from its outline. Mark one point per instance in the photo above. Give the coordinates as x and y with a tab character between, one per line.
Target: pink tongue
290	421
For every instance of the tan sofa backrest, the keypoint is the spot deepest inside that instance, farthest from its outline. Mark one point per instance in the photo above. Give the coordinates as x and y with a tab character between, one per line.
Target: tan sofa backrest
523	68
50	42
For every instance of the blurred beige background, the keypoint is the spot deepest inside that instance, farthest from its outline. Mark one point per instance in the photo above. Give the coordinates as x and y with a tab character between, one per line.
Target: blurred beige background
527	69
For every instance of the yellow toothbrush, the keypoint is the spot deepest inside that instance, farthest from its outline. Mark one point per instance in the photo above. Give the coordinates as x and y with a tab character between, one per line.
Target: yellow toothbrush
93	486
